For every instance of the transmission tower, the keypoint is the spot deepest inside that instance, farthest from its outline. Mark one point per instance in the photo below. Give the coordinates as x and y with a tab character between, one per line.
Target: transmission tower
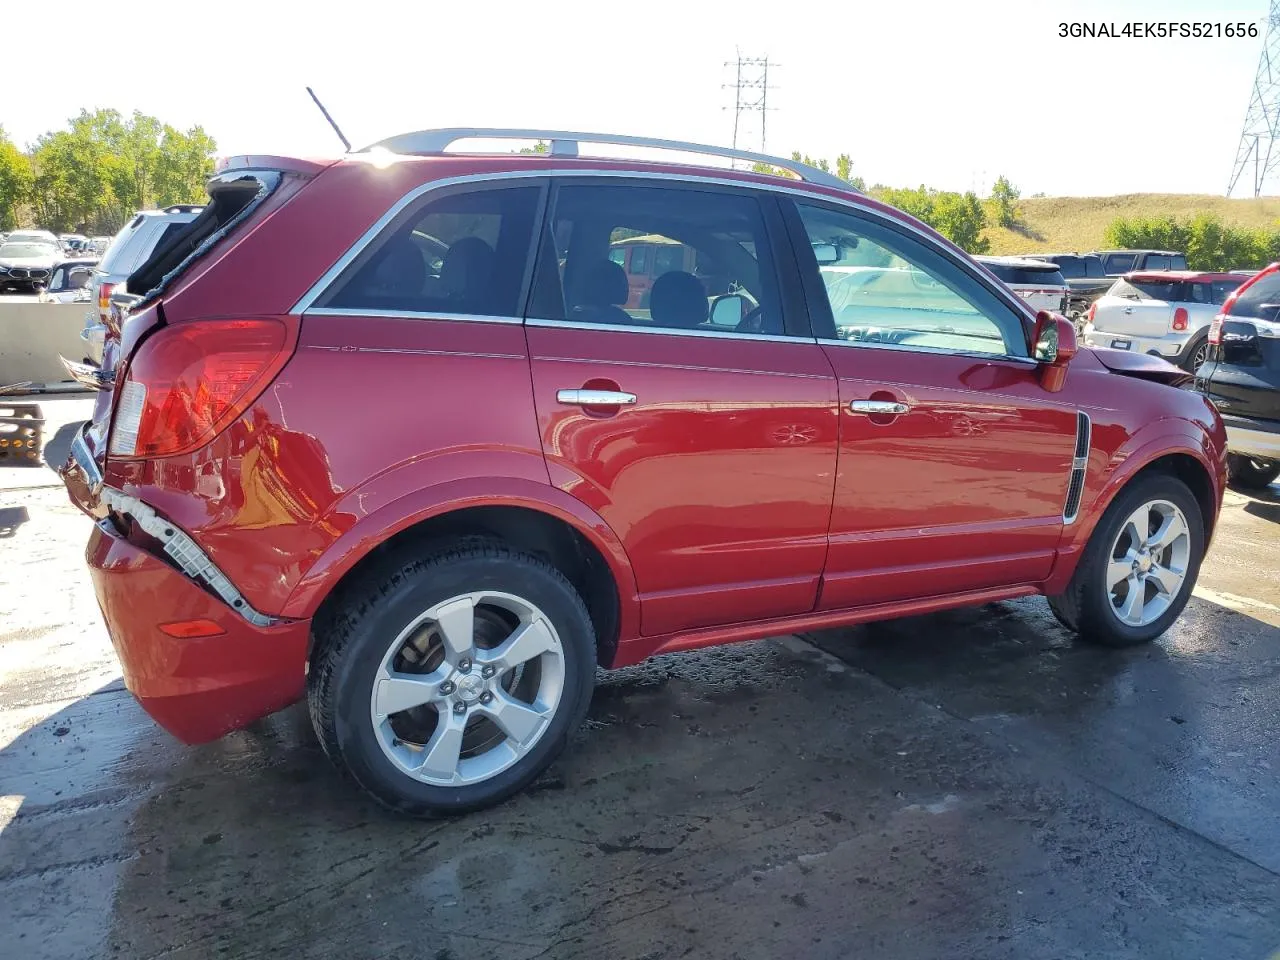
1259	153
751	96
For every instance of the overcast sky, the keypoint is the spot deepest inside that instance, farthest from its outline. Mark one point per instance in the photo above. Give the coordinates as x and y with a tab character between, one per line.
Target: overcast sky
948	94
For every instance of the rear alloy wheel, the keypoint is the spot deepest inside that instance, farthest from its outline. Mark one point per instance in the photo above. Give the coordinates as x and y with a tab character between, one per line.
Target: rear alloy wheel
1140	566
451	683
1196	356
1250	473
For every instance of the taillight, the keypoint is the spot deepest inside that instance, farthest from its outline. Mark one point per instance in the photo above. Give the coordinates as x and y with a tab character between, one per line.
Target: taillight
187	382
1089	314
1180	318
104	301
1215	328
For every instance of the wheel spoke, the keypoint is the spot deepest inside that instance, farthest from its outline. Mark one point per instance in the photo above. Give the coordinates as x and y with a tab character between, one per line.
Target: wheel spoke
1137	525
440	758
1119	570
1166	580
529	640
403	691
519	721
1170	529
1131	610
456	620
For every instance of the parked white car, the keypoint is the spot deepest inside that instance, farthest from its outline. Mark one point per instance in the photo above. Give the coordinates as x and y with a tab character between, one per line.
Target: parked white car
1166	313
1039	282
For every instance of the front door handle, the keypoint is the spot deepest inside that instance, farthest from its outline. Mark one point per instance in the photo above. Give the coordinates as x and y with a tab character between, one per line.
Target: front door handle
891	407
595	398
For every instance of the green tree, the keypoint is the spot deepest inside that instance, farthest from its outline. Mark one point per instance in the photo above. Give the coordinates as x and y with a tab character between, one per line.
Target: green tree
957	216
98	172
16	182
844	168
1209	244
1004	197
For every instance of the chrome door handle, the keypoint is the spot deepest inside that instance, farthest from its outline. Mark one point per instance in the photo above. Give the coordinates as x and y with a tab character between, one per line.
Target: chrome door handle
877	406
1128	309
595	398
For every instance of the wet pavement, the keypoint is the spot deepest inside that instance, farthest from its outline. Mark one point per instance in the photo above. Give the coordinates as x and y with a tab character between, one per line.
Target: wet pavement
970	784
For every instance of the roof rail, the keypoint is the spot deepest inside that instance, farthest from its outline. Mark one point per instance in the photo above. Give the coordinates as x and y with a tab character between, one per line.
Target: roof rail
565	144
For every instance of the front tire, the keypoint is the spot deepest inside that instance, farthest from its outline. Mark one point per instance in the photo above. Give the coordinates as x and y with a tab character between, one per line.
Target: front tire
448	682
1140	566
1251	474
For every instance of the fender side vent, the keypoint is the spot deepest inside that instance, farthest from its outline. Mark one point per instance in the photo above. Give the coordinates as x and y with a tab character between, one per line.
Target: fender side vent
1079	466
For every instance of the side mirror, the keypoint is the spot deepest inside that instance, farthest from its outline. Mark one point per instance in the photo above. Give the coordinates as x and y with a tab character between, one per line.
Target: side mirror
1054	347
727	310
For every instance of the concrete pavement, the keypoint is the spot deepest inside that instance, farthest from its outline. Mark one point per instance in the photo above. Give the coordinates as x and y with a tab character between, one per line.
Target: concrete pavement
971	784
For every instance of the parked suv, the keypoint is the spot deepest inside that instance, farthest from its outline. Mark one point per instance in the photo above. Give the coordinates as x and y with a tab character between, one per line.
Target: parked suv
1039	283
1242	378
1086	279
386	434
1119	262
129	249
1166	314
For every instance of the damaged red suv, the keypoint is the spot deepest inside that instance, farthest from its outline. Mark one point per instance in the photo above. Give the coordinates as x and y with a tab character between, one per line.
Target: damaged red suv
389	433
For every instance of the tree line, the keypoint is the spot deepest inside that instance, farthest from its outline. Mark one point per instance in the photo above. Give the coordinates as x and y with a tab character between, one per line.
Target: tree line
95	174
1208	243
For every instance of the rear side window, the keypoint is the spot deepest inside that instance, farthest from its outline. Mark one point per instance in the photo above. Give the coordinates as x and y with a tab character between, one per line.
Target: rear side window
1260	301
1158	261
1093	268
112	260
1223	289
1177	262
1025	276
1120	262
1072	268
465	253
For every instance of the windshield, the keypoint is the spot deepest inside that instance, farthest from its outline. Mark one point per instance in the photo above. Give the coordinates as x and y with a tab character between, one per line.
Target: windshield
27	250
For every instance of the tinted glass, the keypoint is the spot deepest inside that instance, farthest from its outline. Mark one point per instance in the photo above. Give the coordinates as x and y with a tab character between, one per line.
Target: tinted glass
701	246
886	289
1223	289
1261	300
1072	268
1148	290
1026	276
1120	262
1093	267
1177	262
461	254
1157	261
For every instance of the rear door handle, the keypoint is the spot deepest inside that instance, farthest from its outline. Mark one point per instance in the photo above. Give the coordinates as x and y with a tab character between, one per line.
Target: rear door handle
595	398
877	406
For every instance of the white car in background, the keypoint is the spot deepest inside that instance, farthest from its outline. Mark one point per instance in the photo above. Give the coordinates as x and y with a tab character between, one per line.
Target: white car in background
1165	312
1039	282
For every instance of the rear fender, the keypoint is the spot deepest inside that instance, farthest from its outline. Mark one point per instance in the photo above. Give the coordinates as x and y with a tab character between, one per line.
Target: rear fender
432	501
1154	441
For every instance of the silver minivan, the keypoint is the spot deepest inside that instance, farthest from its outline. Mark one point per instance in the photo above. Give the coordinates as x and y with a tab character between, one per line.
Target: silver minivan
128	250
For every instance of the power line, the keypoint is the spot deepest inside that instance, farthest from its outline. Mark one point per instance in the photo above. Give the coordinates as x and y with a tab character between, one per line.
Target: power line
750	95
1258	153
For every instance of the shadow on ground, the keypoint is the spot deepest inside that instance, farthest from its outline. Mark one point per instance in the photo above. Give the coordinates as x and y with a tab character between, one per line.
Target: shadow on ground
966	784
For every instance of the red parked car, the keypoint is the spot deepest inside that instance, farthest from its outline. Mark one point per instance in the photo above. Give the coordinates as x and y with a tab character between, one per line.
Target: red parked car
383	433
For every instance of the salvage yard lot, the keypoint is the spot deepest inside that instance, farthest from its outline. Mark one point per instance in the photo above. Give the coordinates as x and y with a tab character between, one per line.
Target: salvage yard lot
972	784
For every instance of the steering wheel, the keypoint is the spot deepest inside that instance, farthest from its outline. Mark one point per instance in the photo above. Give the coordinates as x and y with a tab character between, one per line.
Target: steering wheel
753	322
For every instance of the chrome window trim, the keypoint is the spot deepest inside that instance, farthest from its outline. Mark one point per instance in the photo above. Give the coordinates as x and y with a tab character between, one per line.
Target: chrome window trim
318	288
667	331
938	351
408	315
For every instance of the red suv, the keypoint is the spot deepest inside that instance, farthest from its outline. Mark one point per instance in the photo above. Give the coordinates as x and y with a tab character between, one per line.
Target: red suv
385	433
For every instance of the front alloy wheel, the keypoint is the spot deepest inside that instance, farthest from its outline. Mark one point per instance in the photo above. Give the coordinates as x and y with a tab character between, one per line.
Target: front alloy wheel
1148	564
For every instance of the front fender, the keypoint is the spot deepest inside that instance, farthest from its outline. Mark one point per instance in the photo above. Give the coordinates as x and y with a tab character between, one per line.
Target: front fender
1159	439
405	511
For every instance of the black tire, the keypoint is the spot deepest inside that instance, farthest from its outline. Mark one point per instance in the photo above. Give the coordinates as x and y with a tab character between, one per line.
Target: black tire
1085	606
1195	354
1250	474
352	641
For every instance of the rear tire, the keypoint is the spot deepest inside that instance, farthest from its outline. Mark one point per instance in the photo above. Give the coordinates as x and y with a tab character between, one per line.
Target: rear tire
1196	354
1251	474
448	681
1140	565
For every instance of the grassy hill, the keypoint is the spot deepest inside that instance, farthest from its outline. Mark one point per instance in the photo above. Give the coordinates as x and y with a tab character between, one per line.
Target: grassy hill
1063	224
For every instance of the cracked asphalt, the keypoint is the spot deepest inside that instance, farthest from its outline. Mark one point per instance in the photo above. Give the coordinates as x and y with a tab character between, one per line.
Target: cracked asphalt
970	784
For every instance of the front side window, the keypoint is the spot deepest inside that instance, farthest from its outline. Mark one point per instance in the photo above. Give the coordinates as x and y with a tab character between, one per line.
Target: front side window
887	288
464	253
699	260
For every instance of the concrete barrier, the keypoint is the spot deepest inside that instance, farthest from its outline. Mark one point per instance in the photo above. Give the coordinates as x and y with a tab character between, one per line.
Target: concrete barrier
32	335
